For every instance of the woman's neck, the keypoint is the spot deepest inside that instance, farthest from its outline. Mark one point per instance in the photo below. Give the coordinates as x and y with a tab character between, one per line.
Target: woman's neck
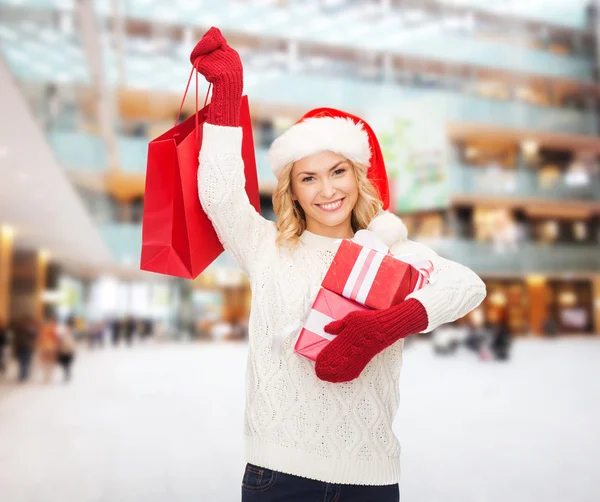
340	232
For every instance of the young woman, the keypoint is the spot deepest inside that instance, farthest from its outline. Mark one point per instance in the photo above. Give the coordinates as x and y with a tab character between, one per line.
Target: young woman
315	432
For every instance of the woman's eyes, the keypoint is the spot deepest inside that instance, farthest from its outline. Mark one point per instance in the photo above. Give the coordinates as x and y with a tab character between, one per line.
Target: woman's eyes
337	172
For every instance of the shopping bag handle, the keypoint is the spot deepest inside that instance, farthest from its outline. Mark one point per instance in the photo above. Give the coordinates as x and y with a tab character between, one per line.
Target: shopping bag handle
185	94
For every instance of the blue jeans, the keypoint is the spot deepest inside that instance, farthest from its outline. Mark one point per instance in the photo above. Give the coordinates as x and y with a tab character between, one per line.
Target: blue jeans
264	485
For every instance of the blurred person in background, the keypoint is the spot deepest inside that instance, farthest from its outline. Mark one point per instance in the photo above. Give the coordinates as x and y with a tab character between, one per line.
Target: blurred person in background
48	347
448	338
130	328
24	342
115	331
331	183
147	328
550	326
66	348
53	106
500	341
95	334
3	344
478	335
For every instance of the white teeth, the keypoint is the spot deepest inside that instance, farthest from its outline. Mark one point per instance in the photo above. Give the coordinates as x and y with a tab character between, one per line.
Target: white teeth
329	207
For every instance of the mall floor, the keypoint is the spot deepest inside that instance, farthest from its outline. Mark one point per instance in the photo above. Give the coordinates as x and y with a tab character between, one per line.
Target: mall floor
163	422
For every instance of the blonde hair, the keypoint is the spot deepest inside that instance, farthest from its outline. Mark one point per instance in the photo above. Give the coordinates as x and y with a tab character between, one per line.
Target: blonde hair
291	221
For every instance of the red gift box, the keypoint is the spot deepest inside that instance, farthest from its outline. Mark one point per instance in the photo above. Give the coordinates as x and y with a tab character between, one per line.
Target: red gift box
372	277
327	307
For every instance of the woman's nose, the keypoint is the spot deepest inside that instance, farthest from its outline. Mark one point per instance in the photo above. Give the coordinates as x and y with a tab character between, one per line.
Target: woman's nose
328	189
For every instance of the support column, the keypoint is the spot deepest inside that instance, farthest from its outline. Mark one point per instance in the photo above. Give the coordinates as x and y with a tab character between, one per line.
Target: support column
537	294
6	252
41	271
28	284
293	56
596	303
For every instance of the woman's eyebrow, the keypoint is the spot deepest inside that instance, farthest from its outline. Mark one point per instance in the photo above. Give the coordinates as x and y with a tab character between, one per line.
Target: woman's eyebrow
330	169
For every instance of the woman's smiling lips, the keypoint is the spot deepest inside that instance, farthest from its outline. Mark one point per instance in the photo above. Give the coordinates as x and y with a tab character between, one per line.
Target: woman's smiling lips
330	207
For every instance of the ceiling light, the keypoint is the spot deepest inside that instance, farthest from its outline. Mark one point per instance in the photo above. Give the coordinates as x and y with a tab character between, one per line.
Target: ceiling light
7	232
529	147
471	152
535	280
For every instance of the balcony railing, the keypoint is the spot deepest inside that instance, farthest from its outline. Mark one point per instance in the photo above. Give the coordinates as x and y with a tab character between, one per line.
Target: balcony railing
526	258
85	152
518	183
345	93
125	243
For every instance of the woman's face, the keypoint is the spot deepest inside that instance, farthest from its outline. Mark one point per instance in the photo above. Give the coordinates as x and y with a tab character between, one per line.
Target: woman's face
325	186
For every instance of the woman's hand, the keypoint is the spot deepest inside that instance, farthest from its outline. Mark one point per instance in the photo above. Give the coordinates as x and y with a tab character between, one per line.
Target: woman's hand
221	66
361	335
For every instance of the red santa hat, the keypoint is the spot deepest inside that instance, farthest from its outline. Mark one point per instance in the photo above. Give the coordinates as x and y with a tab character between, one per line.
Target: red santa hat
328	129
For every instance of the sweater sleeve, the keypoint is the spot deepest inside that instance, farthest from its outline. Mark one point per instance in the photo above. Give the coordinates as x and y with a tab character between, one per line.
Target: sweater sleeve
455	292
221	188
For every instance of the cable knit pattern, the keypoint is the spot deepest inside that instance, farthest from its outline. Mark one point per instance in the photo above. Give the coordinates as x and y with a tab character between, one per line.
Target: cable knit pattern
294	422
456	291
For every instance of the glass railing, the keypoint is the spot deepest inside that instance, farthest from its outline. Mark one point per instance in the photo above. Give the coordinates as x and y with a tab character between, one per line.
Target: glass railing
428	39
516	114
518	183
474	51
345	93
530	258
79	151
21	41
125	242
85	152
339	89
570	13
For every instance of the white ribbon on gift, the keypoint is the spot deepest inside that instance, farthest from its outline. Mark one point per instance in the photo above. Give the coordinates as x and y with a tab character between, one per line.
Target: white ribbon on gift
316	323
374	249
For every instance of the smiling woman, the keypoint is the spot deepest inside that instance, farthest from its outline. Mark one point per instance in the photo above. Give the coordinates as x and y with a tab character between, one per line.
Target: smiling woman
309	427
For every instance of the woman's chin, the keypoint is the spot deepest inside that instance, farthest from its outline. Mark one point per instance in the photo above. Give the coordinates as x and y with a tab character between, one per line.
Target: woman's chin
333	220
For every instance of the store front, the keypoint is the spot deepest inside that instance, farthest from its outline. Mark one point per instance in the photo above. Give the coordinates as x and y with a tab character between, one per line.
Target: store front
508	299
571	306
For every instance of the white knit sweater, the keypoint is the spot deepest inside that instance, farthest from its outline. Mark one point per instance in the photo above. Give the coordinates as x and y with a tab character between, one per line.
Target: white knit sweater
294	422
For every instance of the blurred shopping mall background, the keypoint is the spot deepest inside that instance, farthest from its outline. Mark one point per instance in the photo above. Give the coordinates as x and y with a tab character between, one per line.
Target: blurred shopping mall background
489	116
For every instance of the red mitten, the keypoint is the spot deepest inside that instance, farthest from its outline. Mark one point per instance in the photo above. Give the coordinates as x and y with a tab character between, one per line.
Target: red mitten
222	67
361	335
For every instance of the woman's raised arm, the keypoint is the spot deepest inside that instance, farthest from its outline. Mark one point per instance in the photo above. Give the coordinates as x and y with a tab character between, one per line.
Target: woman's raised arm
221	180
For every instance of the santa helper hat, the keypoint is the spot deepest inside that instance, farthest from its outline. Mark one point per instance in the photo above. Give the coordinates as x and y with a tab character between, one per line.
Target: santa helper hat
328	129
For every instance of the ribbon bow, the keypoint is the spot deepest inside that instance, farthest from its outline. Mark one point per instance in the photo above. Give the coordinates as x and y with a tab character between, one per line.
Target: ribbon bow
369	260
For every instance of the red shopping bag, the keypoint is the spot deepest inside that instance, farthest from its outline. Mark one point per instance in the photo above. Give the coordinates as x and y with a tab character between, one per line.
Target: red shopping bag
178	238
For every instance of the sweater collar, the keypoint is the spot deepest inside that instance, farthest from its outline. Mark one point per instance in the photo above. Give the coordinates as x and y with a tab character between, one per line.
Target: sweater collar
311	239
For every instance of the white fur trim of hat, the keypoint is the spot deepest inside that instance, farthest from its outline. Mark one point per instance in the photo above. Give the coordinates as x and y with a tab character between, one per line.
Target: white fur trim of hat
389	228
319	134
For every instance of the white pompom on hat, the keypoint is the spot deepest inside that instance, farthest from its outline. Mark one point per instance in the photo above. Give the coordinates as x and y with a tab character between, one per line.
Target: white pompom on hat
389	228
